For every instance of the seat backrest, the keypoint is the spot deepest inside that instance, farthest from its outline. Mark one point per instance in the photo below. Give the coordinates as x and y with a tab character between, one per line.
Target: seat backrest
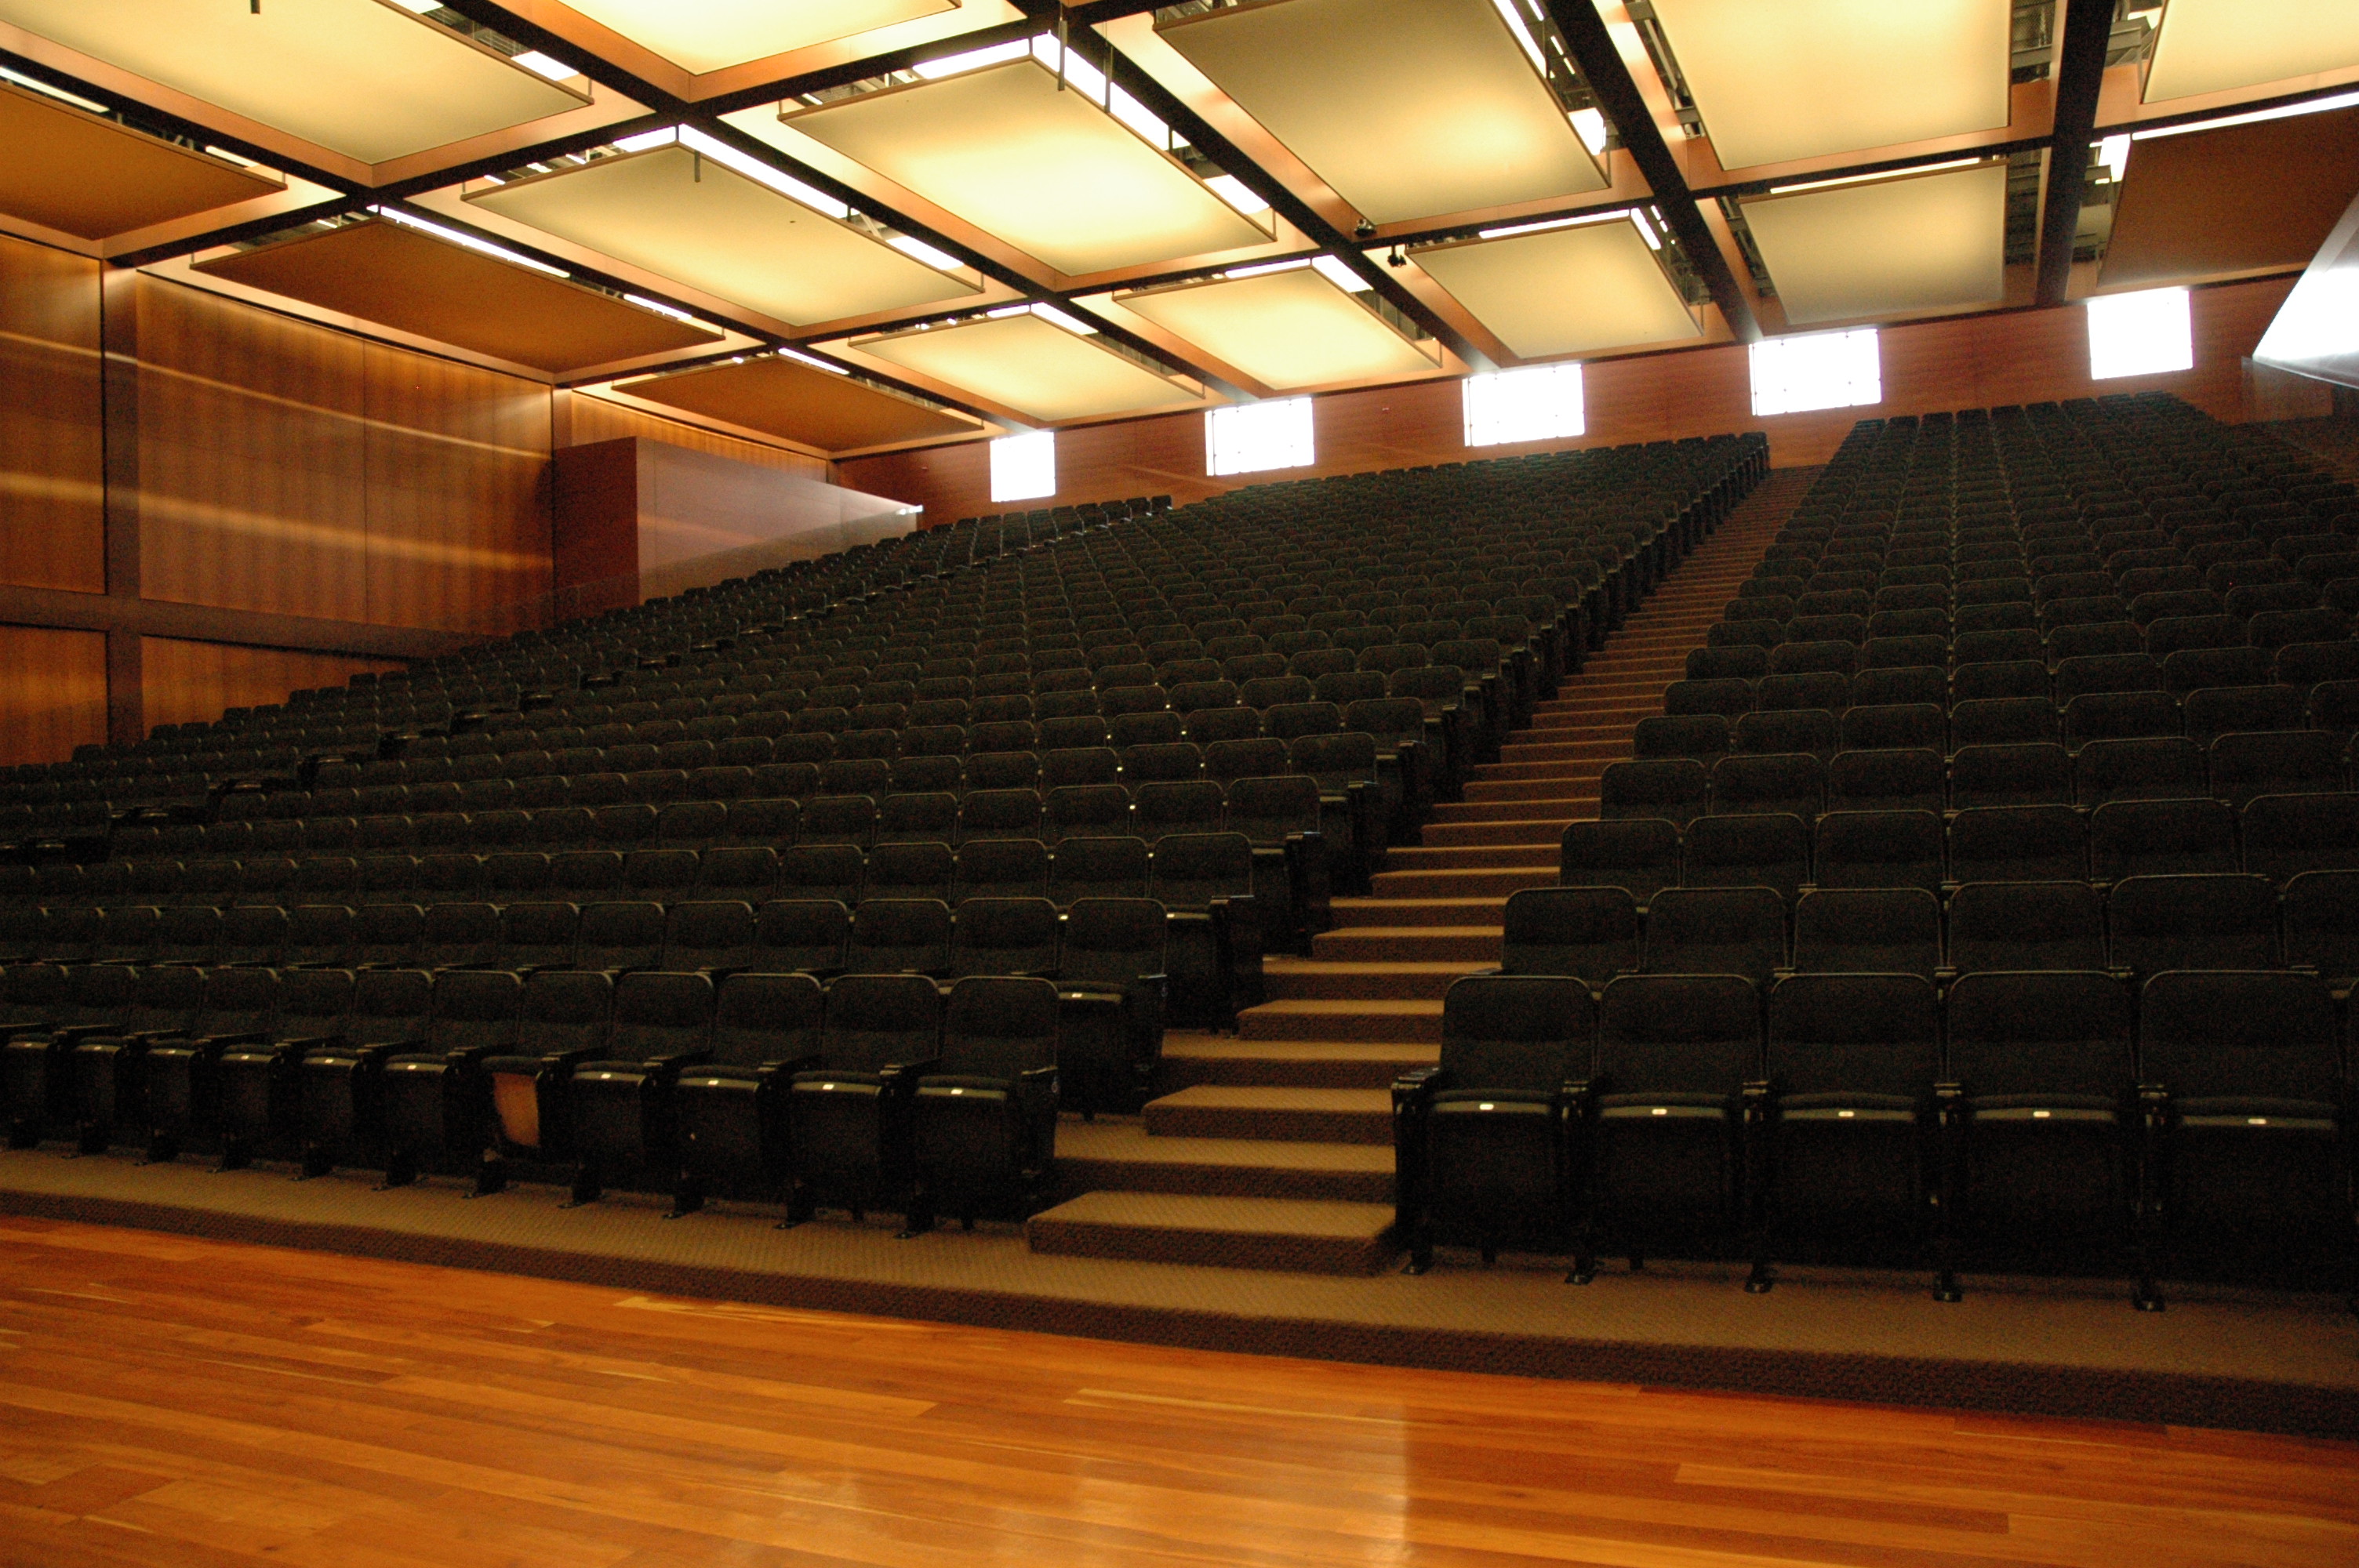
2056	1033
897	935
1879	849
620	934
2217	922
1191	871
802	933
759	1018
1792	782
313	1001
1113	939
1004	936
710	934
1672	790
390	1006
1684	1034
998	1027
2207	1034
1529	1033
1640	855
1854	1033
1589	931
1765	850
1099	866
564	1009
872	1021
237	1001
475	1009
2148	837
660	1014
1715	931
1882	930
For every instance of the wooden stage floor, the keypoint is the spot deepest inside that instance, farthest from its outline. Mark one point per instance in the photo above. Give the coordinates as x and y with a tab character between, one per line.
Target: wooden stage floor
200	1403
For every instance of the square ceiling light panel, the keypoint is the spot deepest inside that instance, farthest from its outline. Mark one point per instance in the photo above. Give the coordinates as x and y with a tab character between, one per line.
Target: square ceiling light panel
1564	289
802	402
369	79
1051	172
1022	362
712	35
414	282
1927	241
91	177
1407	108
1799	79
2212	45
684	215
1287	325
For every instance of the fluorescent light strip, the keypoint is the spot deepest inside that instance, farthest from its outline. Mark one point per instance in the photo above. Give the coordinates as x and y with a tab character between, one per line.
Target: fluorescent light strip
754	170
1336	271
60	94
917	249
1506	10
1072	324
973	60
1257	271
1139	118
816	364
674	312
1236	193
1546	223
2283	111
1077	73
1646	230
1588	125
460	237
541	64
647	139
2114	153
1883	174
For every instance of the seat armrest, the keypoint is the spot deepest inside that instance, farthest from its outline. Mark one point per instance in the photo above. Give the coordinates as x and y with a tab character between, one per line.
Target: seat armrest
788	1067
669	1066
901	1078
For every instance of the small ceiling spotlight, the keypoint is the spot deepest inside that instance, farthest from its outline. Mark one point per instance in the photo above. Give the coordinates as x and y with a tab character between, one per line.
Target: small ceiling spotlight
1397	258
1365	231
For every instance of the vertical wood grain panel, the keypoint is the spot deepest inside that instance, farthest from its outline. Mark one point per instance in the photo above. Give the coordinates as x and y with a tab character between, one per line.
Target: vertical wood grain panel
52	693
458	496
252	458
193	682
1961	363
53	528
595	419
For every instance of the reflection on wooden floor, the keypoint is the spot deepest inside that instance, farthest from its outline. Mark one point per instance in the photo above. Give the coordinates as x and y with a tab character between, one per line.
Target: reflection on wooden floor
166	1400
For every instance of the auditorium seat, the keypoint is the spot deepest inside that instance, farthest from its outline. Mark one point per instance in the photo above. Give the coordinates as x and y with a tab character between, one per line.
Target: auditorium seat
1112	982
618	1101
983	1118
1868	930
728	1106
434	1097
847	1117
561	1021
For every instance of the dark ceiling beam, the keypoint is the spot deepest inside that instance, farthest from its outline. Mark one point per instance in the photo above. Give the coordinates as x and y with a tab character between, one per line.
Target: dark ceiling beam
2080	72
1200	135
1617	94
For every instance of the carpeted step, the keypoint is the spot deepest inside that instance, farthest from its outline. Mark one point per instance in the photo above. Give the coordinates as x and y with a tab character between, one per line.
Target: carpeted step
1478	832
1123	1156
1469	857
1189	1060
1324	1020
1479	910
1555	773
1472	944
1494	880
1487	792
1290	1114
1316	980
1232	1233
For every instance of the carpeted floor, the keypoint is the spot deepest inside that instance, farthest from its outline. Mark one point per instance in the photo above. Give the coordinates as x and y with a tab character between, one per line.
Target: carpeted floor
2216	1359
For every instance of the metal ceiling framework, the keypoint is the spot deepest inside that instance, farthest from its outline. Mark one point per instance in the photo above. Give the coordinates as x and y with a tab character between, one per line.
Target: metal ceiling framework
1638	92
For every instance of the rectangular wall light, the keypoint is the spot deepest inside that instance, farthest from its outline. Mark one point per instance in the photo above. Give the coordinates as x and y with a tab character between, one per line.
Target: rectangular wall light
1024	467
1250	437
1538	403
2150	333
1821	370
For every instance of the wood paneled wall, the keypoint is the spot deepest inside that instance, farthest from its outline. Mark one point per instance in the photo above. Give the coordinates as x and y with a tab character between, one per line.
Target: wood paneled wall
585	418
52	500
196	681
1962	362
52	693
291	469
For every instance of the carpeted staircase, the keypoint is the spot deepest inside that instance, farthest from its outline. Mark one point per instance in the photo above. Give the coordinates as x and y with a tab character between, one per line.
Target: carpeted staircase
1273	1148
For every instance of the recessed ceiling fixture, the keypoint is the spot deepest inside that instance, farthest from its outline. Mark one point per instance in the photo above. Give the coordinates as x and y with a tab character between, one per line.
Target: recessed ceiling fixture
369	80
1407	108
711	35
1805	78
1039	152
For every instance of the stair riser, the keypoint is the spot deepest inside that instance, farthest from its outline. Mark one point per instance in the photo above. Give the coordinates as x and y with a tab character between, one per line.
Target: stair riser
1476	909
1293	1254
1483	883
1423	1029
1224	1181
1482	835
1312	984
1276	1073
1348	945
1166	1121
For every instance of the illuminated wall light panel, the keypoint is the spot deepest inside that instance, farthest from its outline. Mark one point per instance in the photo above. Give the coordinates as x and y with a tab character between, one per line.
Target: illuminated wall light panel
1291	326
1024	467
368	78
1254	437
1801	78
1564	290
1407	108
691	218
1051	173
1820	370
2212	45
1022	362
712	35
1539	403
1924	242
2150	332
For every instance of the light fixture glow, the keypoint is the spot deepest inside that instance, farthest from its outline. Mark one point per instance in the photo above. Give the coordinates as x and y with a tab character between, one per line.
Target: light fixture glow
973	60
60	94
1236	193
1251	438
702	36
754	170
1646	230
1505	231
646	140
2150	332
2282	112
1334	271
813	361
909	245
1139	118
1880	174
548	66
461	237
1262	269
1024	467
1531	48
1538	403
2114	157
1070	323
660	308
1590	125
1079	73
1515	287
2215	45
1822	370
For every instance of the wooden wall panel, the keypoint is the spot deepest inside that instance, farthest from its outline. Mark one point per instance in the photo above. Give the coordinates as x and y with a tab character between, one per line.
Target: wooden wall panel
52	515
252	468
458	499
1961	363
193	682
590	419
52	693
